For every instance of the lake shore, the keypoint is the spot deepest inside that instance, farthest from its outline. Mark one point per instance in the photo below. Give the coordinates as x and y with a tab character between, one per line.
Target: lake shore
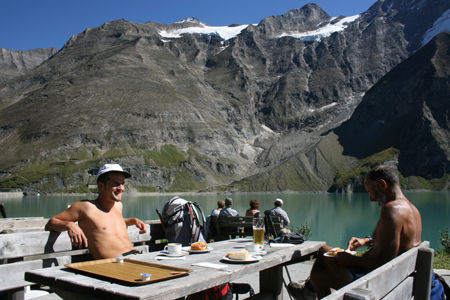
136	193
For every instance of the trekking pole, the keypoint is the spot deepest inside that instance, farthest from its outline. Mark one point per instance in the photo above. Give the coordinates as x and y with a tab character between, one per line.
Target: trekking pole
163	225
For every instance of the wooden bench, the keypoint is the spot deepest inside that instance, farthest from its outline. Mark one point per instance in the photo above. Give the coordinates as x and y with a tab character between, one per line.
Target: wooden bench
10	225
21	252
224	228
407	276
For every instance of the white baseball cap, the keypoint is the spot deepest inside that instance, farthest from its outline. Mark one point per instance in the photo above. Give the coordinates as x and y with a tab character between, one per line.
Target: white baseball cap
112	168
279	200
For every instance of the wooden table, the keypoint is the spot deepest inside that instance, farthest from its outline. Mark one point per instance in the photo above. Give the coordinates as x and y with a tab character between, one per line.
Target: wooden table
71	285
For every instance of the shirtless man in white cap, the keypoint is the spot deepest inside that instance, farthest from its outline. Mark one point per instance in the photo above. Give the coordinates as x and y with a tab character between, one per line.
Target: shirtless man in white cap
98	224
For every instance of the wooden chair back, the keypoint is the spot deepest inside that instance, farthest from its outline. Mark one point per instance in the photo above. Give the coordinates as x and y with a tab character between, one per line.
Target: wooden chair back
224	228
272	225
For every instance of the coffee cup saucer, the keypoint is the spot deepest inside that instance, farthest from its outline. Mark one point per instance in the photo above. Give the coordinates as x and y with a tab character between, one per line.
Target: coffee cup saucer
258	252
173	254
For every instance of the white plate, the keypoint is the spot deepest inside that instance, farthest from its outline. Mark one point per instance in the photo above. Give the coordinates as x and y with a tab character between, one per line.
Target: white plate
179	254
329	255
240	261
188	249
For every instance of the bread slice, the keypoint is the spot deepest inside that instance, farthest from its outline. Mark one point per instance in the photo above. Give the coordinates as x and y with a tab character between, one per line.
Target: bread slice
244	255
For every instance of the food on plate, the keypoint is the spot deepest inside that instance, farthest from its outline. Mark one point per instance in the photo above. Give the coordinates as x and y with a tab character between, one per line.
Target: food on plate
335	251
199	246
243	255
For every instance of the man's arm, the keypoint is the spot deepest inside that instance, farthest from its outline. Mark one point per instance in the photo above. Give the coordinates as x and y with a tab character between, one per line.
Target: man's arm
65	221
355	243
385	245
138	223
286	219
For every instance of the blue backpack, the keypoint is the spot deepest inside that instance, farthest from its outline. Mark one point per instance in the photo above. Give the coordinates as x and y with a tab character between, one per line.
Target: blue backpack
439	288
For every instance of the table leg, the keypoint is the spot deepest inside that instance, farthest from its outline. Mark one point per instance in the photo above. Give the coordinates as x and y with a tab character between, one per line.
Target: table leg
271	281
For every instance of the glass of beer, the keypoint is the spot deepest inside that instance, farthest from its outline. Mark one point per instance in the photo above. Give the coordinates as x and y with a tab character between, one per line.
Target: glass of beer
258	230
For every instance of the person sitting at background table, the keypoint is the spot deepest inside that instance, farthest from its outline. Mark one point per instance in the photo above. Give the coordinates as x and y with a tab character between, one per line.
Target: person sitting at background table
253	211
278	211
98	224
220	206
228	211
214	213
399	229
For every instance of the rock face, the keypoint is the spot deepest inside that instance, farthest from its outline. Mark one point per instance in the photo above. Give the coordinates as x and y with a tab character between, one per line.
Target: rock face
407	109
14	63
192	111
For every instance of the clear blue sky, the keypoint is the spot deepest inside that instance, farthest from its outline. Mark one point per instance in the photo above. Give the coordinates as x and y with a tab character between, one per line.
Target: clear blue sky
29	24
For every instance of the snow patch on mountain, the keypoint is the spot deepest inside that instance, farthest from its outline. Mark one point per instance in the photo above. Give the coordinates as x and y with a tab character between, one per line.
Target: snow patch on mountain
442	24
225	32
322	32
323	108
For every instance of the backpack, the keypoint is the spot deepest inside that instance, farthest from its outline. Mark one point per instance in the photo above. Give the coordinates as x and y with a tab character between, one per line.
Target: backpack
184	221
220	292
439	288
290	237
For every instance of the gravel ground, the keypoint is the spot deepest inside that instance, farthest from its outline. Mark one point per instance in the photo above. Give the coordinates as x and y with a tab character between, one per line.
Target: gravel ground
297	272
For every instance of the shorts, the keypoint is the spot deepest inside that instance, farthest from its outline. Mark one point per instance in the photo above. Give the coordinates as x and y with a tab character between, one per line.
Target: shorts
356	274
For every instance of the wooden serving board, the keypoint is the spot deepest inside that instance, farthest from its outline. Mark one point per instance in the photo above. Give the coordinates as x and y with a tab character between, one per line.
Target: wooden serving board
129	271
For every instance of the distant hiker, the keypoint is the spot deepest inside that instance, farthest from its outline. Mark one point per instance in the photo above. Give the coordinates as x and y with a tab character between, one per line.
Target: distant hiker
278	211
399	229
253	211
101	226
228	211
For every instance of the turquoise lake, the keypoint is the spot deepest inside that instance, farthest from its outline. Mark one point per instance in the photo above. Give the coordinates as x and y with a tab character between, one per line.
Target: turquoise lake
333	218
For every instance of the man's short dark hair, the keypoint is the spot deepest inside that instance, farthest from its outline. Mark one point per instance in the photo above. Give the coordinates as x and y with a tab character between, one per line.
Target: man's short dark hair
220	204
105	177
387	173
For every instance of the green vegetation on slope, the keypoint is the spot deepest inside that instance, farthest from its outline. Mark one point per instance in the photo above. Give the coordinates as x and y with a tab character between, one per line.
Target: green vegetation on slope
442	255
350	175
167	156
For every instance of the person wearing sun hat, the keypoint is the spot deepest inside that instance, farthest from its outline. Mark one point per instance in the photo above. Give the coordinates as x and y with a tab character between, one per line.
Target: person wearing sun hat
98	224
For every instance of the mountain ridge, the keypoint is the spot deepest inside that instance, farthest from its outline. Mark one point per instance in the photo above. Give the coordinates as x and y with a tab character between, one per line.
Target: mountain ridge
225	110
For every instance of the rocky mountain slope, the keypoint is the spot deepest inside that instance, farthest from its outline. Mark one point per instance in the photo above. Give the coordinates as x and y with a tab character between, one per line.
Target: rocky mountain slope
187	107
14	63
408	109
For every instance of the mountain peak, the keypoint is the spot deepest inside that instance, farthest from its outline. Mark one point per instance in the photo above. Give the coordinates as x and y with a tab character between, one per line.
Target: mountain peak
191	20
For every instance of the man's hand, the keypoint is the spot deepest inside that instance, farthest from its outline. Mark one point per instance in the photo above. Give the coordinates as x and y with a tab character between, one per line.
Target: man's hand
76	235
355	243
138	223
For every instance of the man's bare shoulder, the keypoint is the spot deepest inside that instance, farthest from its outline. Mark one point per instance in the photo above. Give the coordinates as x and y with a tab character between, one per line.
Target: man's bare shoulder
82	204
399	207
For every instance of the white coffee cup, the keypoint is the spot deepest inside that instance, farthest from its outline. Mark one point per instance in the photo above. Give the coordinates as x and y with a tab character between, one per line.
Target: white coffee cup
252	247
173	247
